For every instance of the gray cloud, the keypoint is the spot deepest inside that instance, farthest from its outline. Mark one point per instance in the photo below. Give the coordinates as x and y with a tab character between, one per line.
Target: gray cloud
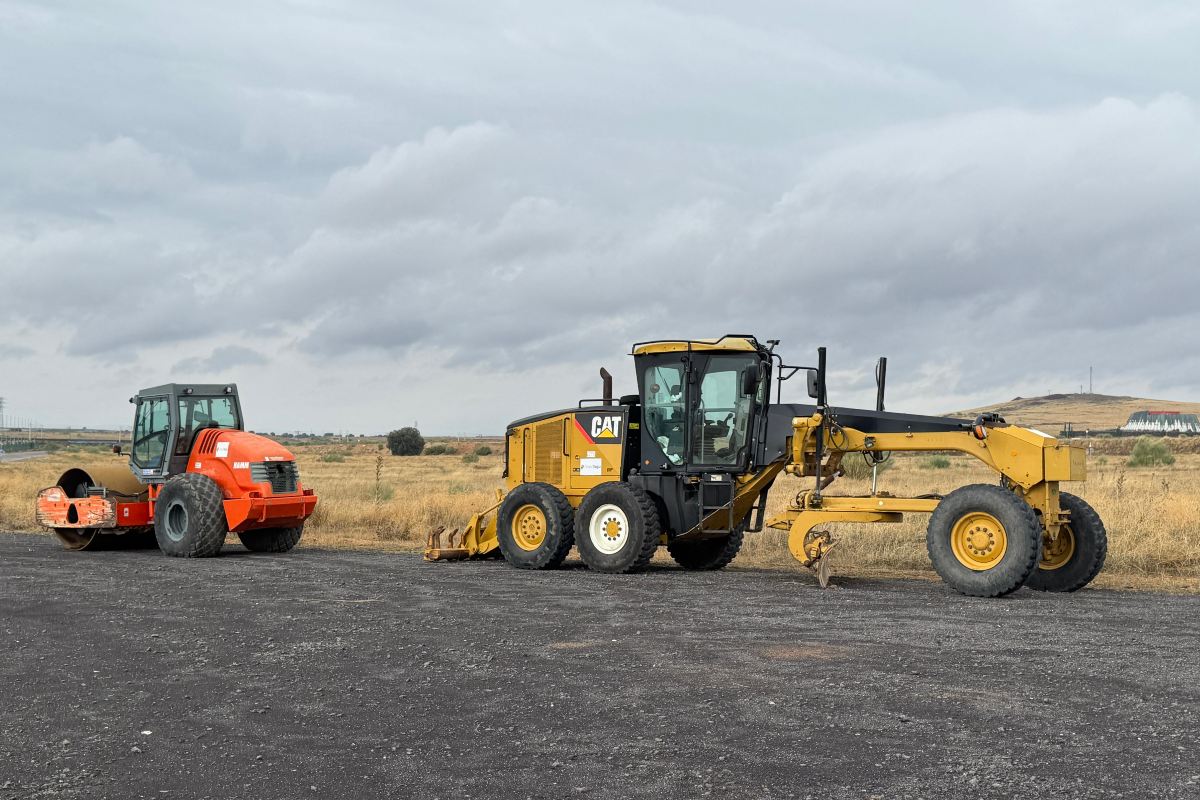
220	360
996	199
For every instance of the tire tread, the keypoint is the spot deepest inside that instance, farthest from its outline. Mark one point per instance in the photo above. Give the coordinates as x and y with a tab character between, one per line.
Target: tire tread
1002	579
1098	554
691	556
206	504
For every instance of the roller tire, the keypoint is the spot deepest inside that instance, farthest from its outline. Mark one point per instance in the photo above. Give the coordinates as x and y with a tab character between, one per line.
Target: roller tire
707	554
201	529
1022	529
560	526
644	530
271	540
1091	549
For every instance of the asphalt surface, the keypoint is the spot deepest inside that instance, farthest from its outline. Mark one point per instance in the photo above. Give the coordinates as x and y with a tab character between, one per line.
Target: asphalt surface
350	674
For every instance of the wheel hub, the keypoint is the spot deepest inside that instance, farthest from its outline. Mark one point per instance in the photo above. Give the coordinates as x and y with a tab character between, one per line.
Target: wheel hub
1058	552
979	541
609	529
529	527
612	528
177	521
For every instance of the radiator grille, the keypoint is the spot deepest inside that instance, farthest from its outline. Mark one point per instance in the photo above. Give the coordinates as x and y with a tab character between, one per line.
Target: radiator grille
282	475
548	452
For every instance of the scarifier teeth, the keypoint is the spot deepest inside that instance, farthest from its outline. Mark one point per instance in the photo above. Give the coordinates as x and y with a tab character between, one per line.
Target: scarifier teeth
434	537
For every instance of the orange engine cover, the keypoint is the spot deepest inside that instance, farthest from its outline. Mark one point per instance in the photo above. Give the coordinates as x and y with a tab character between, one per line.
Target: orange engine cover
258	477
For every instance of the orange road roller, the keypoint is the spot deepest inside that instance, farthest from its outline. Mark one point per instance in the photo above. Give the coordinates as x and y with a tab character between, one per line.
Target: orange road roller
194	475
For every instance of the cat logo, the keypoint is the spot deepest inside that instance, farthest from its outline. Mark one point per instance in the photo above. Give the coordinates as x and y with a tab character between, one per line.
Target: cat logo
606	427
600	428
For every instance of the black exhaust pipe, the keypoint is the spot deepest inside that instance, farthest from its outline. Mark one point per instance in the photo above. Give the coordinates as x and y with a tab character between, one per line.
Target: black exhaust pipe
607	378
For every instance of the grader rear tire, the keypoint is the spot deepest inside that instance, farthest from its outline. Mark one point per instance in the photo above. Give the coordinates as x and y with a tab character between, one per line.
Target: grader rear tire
535	527
271	540
707	554
1077	556
189	517
617	528
984	541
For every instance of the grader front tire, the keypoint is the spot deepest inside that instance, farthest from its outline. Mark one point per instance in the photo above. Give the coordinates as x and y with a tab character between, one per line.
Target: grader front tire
1077	556
984	541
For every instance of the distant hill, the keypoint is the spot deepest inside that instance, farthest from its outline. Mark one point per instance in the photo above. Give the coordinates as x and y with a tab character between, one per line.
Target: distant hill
1091	411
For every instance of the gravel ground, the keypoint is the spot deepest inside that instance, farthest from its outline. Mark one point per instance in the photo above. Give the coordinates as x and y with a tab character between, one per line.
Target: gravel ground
355	674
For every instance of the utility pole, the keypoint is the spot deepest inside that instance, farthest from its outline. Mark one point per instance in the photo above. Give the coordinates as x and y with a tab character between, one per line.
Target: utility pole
1090	391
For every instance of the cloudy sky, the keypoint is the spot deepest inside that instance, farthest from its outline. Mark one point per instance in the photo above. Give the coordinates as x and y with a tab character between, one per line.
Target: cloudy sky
374	213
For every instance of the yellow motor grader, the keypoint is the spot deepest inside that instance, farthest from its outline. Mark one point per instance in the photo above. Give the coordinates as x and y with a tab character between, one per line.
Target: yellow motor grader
688	462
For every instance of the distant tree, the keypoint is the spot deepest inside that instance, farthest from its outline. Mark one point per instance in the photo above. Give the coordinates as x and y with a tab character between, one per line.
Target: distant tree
406	442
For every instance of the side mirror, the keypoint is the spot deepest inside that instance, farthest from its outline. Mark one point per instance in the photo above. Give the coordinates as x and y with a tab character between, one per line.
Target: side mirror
116	449
814	391
749	382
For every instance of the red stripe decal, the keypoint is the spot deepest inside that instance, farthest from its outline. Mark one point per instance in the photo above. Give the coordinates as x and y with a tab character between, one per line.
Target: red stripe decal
590	440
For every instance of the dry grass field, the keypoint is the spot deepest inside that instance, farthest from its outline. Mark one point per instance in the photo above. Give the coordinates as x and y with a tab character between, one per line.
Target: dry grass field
370	499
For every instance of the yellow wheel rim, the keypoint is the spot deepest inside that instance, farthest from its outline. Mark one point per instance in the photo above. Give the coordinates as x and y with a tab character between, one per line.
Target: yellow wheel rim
529	527
1057	553
978	541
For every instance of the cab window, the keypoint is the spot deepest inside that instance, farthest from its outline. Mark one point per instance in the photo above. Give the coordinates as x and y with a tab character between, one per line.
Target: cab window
198	413
151	429
662	409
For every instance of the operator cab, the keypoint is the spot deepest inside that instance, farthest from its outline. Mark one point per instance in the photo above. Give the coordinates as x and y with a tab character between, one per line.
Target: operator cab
168	420
704	403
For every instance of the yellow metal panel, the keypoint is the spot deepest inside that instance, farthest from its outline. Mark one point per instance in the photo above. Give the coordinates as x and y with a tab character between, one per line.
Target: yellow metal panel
731	344
1060	463
1078	464
922	505
591	461
548	440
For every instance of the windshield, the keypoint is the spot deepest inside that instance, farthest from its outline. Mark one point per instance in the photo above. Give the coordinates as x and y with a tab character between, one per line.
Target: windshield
721	420
198	413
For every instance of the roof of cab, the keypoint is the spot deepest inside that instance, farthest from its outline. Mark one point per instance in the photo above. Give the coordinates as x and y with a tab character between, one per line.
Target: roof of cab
199	389
727	343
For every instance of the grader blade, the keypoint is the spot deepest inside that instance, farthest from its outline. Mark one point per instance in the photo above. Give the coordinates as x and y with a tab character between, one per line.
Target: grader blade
817	545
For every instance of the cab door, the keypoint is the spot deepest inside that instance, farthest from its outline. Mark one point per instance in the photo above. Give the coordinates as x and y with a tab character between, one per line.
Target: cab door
723	404
153	435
